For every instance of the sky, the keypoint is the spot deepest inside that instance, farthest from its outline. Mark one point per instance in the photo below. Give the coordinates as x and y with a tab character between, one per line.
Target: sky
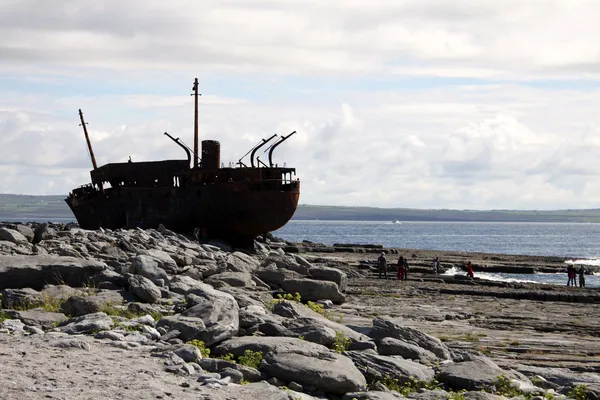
462	104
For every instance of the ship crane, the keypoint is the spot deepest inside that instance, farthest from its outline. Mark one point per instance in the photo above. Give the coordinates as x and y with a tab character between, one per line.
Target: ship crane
253	151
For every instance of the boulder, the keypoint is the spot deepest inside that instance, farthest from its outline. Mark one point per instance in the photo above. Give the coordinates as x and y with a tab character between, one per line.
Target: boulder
214	318
81	305
35	271
88	323
294	310
11	235
387	327
306	363
330	274
26	231
217	365
372	395
38	317
283	261
314	290
375	367
165	261
148	266
274	276
144	289
21	298
235	279
481	373
394	347
241	262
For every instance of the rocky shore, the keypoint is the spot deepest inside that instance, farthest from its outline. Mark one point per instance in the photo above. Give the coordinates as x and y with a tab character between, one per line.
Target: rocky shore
151	314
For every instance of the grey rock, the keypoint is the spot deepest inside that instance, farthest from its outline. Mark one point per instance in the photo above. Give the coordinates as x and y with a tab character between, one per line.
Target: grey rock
235	375
13	325
26	231
148	267
165	261
387	327
372	395
314	290
395	347
150	332
21	298
286	262
188	328
182	284
241	262
218	310
111	335
274	276
144	289
330	274
559	376
293	310
236	279
478	374
11	235
248	296
374	367
331	372
81	305
34	330
217	365
71	343
38	318
188	353
290	359
35	271
144	320
483	396
311	330
88	323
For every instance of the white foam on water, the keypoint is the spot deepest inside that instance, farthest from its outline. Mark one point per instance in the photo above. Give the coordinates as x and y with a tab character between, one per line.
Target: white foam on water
488	276
590	261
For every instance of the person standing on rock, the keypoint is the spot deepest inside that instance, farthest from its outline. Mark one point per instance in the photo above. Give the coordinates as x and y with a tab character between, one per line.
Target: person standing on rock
405	269
571	275
581	273
401	270
436	266
382	263
470	270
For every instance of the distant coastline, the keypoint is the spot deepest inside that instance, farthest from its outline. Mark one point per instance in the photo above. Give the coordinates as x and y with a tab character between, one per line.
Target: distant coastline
51	208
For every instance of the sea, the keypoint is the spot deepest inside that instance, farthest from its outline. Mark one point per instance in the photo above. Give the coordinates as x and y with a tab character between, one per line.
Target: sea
577	243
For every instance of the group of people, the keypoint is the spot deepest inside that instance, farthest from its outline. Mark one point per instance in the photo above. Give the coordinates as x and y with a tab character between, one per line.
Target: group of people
402	267
401	272
572	273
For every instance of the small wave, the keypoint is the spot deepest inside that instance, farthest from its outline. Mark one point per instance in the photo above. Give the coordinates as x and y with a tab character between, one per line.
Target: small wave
489	276
591	261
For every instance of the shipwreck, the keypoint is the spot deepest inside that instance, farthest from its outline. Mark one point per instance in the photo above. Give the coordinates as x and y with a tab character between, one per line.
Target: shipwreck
196	195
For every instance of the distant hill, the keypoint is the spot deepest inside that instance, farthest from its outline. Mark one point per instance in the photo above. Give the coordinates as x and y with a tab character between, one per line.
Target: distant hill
310	212
46	208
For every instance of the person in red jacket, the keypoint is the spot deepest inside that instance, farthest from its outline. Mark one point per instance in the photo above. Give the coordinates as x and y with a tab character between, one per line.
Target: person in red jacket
400	273
470	270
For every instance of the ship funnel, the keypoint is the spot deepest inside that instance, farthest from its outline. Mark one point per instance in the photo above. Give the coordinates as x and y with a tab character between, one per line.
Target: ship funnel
211	154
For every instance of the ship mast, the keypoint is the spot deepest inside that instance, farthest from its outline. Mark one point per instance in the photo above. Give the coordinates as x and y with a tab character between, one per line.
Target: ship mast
87	139
195	94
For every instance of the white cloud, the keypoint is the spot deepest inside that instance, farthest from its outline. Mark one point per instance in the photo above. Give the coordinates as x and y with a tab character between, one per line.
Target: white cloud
355	79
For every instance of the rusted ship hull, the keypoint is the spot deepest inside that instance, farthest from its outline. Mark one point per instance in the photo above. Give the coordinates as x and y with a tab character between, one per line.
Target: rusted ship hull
237	211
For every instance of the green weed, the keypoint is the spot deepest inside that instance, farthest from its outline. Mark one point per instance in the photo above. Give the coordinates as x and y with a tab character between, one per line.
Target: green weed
341	342
200	345
251	358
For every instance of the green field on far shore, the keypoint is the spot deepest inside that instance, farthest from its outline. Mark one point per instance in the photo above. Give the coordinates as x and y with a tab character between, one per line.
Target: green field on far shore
45	208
